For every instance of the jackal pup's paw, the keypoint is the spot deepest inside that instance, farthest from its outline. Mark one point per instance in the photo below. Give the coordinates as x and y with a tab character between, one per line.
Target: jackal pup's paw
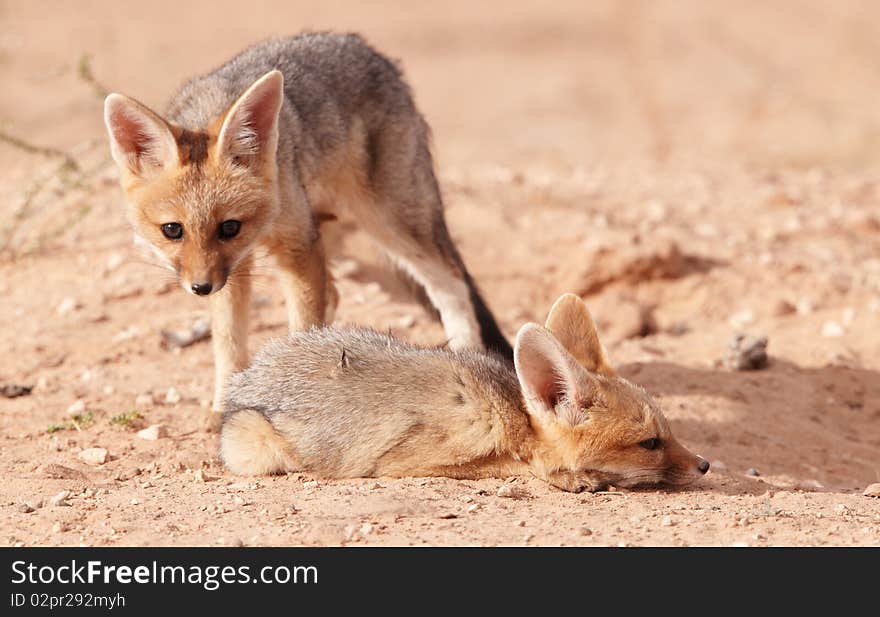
577	481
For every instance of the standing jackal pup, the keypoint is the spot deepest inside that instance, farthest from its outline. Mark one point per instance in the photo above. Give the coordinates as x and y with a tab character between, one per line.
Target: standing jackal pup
350	403
251	155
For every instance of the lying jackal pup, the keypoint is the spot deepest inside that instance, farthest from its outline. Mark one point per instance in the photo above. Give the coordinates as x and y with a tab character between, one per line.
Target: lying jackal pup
254	153
355	403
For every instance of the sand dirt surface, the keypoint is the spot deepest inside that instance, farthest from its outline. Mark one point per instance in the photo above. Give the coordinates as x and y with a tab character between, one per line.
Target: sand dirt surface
693	170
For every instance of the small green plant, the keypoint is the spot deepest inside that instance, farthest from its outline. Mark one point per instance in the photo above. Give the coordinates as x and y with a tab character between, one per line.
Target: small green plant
127	418
77	421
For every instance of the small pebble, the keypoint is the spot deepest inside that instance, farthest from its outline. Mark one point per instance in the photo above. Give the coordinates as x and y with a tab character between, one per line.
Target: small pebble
832	329
55	444
873	490
510	491
199	330
742	318
59	499
203	477
172	397
751	471
14	390
67	305
667	521
805	306
144	400
76	408
746	353
153	432
93	456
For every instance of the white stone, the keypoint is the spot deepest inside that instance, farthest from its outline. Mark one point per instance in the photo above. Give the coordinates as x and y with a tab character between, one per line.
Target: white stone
59	499
76	408
153	432
93	456
172	397
873	490
67	305
742	318
832	329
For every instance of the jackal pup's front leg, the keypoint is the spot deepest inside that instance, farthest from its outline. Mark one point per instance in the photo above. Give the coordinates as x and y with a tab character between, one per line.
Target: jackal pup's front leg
230	309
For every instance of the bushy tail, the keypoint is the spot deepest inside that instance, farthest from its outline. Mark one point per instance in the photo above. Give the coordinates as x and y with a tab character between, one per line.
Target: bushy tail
491	334
250	445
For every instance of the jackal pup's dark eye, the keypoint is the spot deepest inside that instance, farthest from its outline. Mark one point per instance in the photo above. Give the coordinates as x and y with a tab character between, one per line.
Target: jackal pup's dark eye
173	231
650	444
229	229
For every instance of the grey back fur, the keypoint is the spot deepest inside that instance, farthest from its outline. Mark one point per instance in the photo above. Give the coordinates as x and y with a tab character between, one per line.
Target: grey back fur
329	80
345	397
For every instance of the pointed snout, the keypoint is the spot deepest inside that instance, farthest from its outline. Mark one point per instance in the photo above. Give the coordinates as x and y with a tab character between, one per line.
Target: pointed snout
703	465
202	288
684	466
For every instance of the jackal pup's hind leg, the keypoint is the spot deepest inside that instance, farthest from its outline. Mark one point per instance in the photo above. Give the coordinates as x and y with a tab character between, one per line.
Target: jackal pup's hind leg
403	212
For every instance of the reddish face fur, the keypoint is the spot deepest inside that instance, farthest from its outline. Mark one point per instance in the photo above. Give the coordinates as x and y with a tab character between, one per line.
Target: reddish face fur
198	179
610	439
593	426
200	197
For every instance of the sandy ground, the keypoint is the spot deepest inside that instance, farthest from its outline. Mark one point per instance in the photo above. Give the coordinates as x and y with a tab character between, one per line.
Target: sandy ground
692	169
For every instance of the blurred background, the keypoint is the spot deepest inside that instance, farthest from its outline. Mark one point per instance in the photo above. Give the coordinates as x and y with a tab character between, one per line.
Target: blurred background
695	170
779	82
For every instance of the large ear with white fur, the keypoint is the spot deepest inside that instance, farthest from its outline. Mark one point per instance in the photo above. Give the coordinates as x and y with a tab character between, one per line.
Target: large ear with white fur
550	378
140	140
570	322
249	135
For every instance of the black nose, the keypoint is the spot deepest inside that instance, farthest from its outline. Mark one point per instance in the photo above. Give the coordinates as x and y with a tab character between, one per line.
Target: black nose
703	466
201	289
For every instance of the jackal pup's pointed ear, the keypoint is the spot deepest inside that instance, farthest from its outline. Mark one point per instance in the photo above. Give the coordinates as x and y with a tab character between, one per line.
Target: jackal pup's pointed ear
553	383
570	322
140	140
249	135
